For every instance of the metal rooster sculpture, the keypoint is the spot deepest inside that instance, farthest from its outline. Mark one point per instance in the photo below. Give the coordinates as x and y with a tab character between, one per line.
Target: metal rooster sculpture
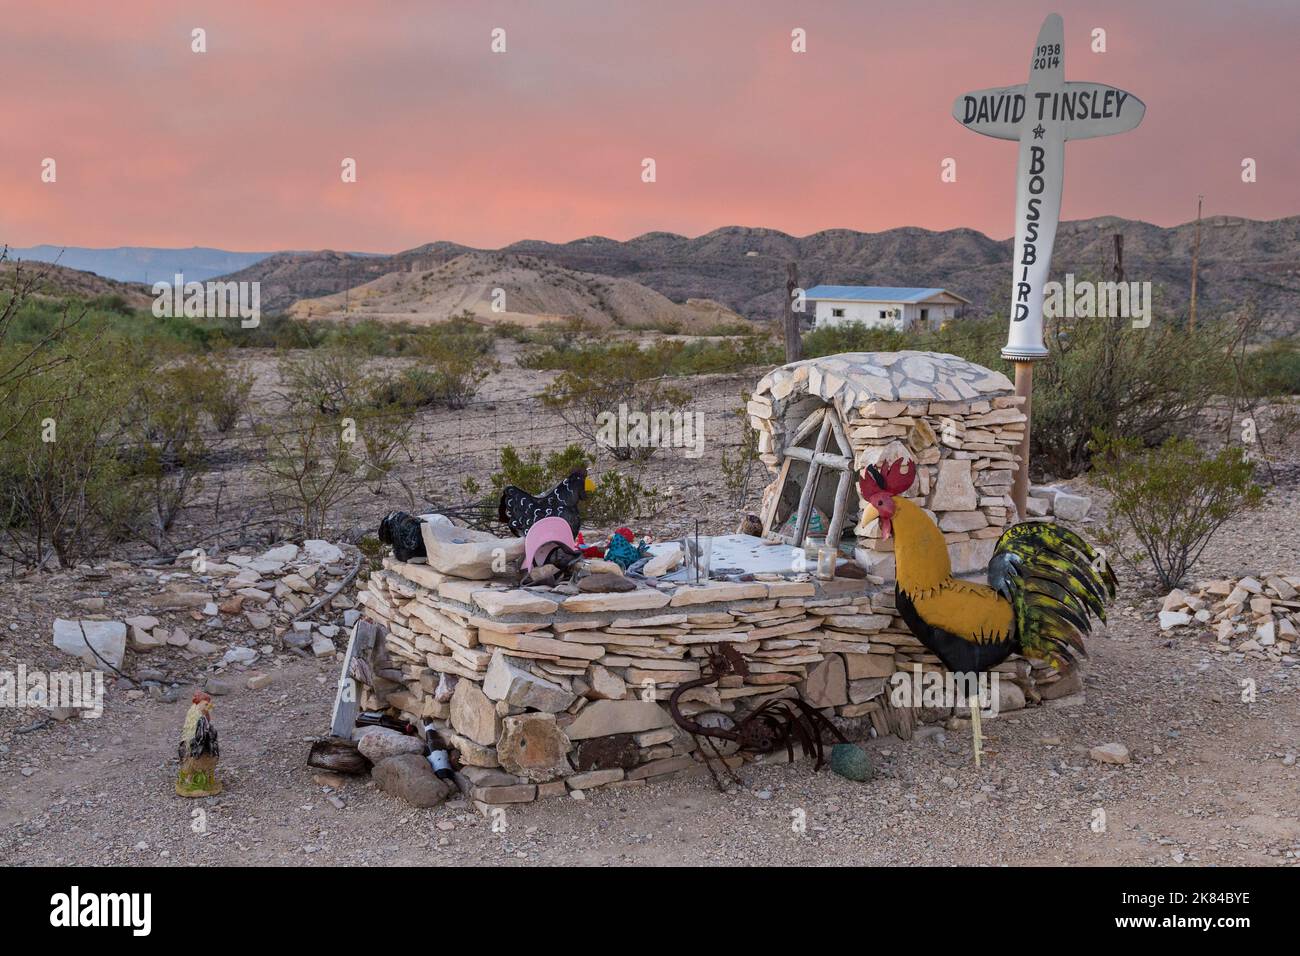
1045	582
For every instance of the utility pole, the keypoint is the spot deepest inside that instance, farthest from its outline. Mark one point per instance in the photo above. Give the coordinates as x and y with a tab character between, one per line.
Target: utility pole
793	343
1196	261
1119	257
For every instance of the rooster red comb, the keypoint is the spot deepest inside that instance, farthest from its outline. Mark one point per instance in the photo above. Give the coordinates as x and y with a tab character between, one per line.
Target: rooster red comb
891	478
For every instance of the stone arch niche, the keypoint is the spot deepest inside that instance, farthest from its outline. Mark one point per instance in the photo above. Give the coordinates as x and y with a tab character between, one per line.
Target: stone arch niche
830	417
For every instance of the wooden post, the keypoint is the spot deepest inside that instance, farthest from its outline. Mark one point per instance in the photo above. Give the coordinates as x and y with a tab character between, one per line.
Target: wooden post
1196	261
1025	389
793	343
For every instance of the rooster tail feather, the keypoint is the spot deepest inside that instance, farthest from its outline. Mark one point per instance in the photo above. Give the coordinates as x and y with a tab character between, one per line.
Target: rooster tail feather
1056	583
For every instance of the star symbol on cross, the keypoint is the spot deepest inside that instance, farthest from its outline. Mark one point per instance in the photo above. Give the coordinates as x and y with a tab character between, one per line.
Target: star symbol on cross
1038	131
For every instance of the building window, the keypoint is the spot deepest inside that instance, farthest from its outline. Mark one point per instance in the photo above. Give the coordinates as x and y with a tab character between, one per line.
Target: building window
882	314
837	313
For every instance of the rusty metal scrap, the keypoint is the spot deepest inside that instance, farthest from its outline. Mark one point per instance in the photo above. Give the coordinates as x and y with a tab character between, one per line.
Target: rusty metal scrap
767	728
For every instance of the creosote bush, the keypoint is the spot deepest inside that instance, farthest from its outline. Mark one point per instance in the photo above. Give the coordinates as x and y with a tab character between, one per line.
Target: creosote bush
621	375
67	486
1171	500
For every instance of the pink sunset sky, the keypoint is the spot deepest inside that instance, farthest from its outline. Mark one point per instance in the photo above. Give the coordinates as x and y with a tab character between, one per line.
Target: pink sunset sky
240	147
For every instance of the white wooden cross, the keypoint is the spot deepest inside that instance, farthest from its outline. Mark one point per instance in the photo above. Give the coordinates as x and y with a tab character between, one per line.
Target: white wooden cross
1042	114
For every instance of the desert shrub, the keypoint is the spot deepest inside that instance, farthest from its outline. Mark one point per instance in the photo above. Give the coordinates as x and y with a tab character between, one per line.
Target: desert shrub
976	340
659	359
733	327
620	375
383	431
411	388
534	472
724	354
618	498
852	337
164	425
1274	369
326	380
1146	384
66	489
225	395
310	467
458	357
1171	500
738	468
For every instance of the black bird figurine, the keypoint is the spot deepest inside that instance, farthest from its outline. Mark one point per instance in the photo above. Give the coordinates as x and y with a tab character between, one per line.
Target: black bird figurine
519	510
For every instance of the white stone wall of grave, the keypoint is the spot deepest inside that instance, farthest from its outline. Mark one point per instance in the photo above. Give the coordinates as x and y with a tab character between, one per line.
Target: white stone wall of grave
960	422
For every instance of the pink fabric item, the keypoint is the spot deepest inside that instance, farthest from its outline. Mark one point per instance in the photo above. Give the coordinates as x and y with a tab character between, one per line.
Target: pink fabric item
549	531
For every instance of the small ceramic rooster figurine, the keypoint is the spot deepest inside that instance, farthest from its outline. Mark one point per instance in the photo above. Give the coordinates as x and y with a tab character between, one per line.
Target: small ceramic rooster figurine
198	751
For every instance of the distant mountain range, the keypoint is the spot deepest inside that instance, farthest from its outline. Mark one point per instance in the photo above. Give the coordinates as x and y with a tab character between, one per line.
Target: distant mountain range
1241	260
142	264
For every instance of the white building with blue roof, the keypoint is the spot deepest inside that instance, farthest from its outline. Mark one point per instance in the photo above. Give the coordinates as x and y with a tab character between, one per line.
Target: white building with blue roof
881	306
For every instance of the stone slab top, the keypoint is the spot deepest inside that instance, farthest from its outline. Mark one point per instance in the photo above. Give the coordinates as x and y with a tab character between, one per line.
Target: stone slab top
854	378
769	564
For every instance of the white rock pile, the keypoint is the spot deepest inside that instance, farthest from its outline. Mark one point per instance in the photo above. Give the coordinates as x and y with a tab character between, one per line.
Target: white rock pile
222	611
1257	617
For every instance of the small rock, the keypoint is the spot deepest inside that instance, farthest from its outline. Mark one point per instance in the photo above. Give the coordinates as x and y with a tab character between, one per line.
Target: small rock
1110	753
92	640
281	554
321	552
1071	507
239	655
605	583
380	743
409	777
1172	619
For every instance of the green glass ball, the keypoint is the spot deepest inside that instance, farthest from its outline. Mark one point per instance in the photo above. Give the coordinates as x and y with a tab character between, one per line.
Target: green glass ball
851	762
